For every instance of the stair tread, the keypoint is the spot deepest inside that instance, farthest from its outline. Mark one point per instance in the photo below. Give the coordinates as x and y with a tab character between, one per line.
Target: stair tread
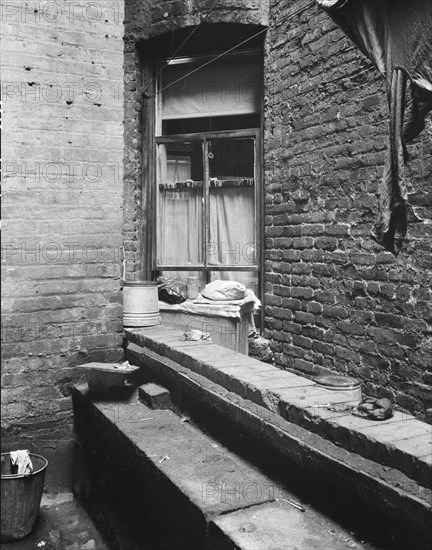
279	525
231	493
193	461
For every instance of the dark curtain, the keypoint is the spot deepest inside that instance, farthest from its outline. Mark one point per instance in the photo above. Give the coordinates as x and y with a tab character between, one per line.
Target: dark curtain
396	35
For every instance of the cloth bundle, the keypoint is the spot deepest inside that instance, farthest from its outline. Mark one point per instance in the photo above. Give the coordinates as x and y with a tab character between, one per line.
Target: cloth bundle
224	290
22	460
374	409
196	335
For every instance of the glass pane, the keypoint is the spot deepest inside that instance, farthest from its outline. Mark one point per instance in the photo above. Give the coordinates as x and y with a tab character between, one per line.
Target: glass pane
183	276
232	231
180	203
209	124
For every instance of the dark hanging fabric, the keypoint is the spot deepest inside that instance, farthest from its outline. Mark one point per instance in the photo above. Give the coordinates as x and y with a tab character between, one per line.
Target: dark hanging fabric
396	35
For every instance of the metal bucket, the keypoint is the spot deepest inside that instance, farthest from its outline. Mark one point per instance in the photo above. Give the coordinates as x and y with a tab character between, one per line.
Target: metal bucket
20	498
140	304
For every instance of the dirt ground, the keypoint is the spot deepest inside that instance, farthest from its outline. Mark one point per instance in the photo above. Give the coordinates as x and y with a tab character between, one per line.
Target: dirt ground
62	525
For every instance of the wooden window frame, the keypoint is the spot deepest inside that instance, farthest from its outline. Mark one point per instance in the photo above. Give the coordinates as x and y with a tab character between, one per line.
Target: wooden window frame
253	133
152	135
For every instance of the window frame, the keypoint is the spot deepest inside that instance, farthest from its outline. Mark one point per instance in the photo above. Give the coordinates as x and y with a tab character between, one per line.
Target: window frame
204	137
152	133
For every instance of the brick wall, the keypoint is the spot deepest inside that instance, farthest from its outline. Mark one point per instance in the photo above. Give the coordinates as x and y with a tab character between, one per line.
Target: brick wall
62	208
334	298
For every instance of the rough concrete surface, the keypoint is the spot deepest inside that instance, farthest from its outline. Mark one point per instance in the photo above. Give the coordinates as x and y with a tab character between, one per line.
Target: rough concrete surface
196	480
63	524
281	525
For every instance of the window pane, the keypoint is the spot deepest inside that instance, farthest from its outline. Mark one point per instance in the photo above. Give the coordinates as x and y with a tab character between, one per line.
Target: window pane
232	232
180	203
183	276
209	124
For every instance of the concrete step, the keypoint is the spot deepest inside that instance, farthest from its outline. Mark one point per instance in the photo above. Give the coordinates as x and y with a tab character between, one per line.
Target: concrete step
276	525
155	481
385	490
401	442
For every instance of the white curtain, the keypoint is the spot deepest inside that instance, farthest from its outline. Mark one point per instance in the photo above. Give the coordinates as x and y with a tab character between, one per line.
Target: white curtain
232	229
226	87
180	227
180	212
233	233
173	169
232	226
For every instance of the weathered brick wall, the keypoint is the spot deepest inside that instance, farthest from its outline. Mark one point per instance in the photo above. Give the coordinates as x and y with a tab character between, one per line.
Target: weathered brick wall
145	20
334	298
62	208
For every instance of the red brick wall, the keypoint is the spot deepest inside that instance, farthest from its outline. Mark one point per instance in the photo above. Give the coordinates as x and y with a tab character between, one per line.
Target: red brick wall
62	205
334	298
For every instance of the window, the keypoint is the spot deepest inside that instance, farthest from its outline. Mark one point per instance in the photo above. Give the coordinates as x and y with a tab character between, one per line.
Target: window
208	196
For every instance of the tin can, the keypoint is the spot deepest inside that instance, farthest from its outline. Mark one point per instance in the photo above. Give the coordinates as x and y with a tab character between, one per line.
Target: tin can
347	384
192	287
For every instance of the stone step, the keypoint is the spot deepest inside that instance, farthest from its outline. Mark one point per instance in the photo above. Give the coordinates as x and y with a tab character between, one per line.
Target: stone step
401	442
155	396
274	525
156	481
384	489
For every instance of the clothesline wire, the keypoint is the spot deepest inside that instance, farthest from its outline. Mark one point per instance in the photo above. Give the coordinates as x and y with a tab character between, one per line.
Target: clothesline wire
218	56
208	63
180	47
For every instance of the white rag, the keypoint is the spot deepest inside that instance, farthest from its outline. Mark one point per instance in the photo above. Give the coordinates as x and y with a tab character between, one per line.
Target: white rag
22	460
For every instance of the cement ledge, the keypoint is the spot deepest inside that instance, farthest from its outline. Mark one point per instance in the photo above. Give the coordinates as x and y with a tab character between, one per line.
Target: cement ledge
402	442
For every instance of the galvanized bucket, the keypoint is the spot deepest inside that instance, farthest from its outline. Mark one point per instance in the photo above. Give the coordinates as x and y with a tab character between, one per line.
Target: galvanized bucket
20	497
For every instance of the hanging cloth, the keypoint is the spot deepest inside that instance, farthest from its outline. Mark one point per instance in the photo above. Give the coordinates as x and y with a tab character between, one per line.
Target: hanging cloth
396	35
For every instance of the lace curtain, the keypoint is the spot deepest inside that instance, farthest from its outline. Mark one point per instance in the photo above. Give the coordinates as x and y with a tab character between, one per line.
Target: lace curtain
232	230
